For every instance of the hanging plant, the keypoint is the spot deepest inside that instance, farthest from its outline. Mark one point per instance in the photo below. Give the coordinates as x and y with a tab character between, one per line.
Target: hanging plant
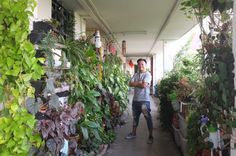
17	67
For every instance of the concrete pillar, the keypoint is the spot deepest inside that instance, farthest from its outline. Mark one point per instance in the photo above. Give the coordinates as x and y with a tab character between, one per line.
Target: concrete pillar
158	64
80	26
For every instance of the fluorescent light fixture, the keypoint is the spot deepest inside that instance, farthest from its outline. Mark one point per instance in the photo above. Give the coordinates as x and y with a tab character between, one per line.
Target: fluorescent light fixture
131	32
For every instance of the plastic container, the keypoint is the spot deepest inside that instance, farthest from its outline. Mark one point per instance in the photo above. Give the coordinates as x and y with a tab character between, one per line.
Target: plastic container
232	145
183	145
213	136
182	126
176	136
175	105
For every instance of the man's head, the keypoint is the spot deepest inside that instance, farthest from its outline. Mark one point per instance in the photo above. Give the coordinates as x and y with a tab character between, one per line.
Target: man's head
142	65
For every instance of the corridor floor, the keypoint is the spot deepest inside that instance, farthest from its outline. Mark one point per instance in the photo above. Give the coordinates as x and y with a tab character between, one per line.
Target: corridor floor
163	144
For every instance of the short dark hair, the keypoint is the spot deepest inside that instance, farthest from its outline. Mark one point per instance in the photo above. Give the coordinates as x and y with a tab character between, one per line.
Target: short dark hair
141	59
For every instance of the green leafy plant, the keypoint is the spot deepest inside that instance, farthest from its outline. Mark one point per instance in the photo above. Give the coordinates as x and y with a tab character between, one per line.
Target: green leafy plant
215	91
166	87
195	141
83	75
56	126
17	67
115	80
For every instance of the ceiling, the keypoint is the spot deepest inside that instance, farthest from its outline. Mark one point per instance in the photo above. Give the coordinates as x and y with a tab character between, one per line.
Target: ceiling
143	24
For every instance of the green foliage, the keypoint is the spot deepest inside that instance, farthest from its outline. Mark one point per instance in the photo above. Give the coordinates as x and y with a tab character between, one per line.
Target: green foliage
179	84
194	137
196	7
115	80
215	91
165	88
85	86
17	67
83	77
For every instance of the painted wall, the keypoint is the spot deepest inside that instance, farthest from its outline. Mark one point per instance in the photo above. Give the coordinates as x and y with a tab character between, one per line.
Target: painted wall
43	11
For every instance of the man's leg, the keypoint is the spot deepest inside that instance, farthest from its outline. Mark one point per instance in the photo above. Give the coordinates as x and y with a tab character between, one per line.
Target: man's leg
136	111
146	110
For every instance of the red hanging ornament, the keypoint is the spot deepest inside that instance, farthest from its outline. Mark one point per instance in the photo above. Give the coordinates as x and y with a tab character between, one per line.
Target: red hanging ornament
131	64
112	48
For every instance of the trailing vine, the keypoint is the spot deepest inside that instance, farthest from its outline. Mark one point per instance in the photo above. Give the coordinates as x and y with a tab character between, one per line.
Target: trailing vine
17	67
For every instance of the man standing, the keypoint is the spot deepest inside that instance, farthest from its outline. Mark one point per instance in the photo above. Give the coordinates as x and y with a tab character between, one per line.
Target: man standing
141	101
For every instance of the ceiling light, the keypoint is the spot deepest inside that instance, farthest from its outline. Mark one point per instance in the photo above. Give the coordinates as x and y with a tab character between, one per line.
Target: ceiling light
131	32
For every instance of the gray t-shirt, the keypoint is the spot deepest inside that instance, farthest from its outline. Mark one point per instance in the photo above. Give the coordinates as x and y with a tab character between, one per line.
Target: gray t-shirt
142	94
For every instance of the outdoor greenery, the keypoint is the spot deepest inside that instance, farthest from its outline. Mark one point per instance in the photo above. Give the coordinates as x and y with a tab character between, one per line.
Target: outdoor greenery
93	110
17	67
216	52
179	84
215	92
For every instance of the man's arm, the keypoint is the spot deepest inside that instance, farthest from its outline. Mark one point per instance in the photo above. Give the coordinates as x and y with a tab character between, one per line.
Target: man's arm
140	84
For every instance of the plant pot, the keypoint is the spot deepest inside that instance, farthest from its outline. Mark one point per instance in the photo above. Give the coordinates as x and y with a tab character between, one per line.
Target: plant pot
233	142
42	26
234	132
183	145
206	152
38	86
175	105
63	101
213	136
36	37
176	135
182	126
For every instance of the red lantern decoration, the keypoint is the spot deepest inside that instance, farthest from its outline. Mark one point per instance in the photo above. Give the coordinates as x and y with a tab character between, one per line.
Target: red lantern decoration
123	47
131	64
112	48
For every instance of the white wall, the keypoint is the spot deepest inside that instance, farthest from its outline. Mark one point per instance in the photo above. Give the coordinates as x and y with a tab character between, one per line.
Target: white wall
157	68
158	63
43	11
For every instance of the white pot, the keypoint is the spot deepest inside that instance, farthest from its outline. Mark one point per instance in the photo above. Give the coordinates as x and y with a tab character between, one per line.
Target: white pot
213	137
234	132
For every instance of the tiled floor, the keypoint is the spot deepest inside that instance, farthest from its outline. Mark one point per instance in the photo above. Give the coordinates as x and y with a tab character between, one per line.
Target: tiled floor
163	144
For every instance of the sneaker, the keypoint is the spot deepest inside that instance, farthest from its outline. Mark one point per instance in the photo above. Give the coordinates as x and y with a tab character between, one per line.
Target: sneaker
150	140
130	136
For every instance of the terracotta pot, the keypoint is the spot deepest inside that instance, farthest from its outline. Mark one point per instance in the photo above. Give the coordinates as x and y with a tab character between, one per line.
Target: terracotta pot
206	152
